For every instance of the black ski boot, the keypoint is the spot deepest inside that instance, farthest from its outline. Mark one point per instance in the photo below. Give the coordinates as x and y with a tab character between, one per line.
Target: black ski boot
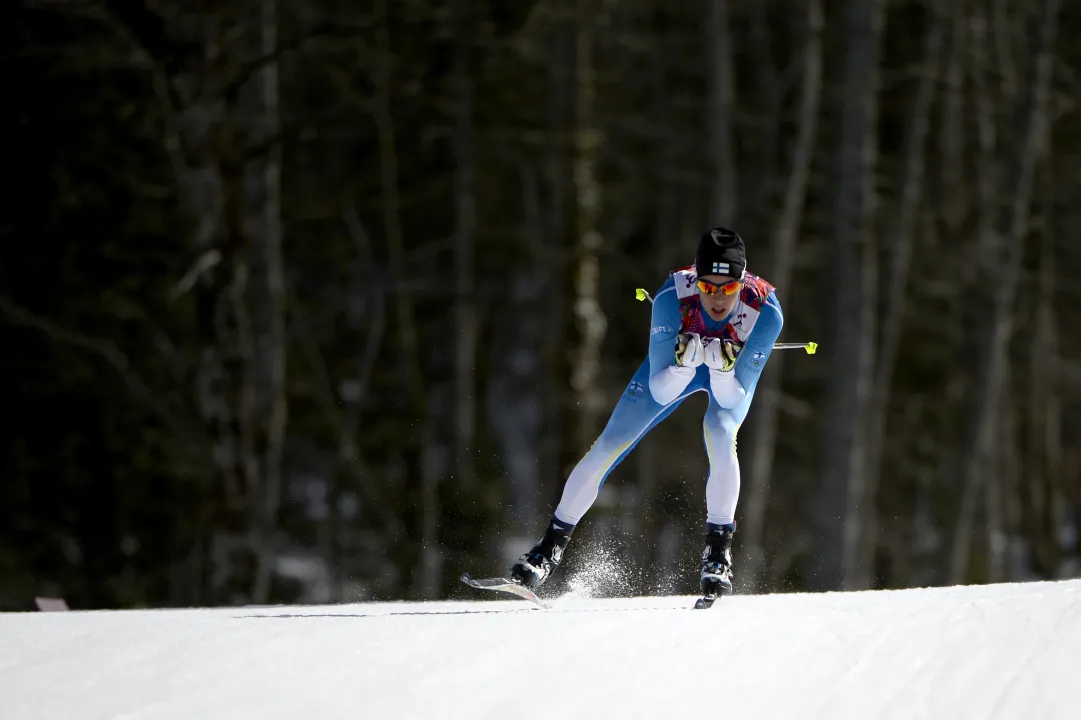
534	567
716	577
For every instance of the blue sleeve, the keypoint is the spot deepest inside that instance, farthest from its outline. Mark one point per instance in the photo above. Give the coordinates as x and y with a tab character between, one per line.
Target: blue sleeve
759	345
664	328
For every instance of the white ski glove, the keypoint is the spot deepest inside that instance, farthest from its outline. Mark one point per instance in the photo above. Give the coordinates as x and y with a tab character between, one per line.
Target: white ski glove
721	354
721	360
690	353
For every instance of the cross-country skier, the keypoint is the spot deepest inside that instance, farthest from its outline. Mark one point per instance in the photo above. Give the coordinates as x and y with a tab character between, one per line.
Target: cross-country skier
714	325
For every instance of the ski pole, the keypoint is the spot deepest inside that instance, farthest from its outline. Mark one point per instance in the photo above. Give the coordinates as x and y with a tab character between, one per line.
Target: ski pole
810	347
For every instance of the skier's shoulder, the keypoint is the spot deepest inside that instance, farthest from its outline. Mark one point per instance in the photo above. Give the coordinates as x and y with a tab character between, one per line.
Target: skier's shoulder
682	281
756	292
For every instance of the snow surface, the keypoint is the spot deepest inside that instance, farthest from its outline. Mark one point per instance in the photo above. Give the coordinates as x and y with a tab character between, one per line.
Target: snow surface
998	651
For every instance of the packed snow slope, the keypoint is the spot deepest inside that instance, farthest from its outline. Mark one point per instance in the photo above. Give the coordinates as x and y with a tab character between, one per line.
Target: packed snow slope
1002	651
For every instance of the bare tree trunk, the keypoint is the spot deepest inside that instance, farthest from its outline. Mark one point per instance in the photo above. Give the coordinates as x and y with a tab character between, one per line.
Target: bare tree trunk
461	413
561	90
989	168
1003	26
427	495
436	462
764	177
405	325
592	324
275	279
366	292
900	243
1043	474
988	171
1002	269
1035	474
1047	536
836	519
858	495
767	415
464	260
227	355
996	490
953	132
723	200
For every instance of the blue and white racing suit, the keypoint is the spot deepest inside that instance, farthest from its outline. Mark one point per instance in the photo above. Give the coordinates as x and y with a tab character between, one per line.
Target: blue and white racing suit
660	385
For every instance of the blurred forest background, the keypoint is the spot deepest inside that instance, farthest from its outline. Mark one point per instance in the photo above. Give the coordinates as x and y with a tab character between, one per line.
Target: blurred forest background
321	301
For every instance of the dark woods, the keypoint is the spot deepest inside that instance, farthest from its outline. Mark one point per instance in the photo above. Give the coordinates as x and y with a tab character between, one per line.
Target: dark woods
321	301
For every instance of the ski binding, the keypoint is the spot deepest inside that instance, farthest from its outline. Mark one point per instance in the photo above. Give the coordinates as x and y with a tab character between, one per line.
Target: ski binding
504	585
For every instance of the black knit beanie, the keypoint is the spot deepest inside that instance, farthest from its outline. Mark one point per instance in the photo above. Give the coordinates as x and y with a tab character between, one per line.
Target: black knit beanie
721	252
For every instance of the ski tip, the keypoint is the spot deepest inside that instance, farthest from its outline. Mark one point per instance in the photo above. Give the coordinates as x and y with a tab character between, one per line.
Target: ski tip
504	585
812	347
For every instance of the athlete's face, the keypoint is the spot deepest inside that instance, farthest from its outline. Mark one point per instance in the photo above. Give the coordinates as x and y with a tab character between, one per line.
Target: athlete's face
720	303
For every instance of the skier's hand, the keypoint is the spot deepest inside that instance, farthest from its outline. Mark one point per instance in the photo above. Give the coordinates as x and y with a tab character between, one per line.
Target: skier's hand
721	354
690	353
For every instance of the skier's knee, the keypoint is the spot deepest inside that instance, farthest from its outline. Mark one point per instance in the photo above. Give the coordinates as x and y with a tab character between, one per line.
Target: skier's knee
725	422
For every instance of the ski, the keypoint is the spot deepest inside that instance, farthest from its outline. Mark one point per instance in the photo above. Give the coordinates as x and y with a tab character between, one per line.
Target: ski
504	585
705	602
